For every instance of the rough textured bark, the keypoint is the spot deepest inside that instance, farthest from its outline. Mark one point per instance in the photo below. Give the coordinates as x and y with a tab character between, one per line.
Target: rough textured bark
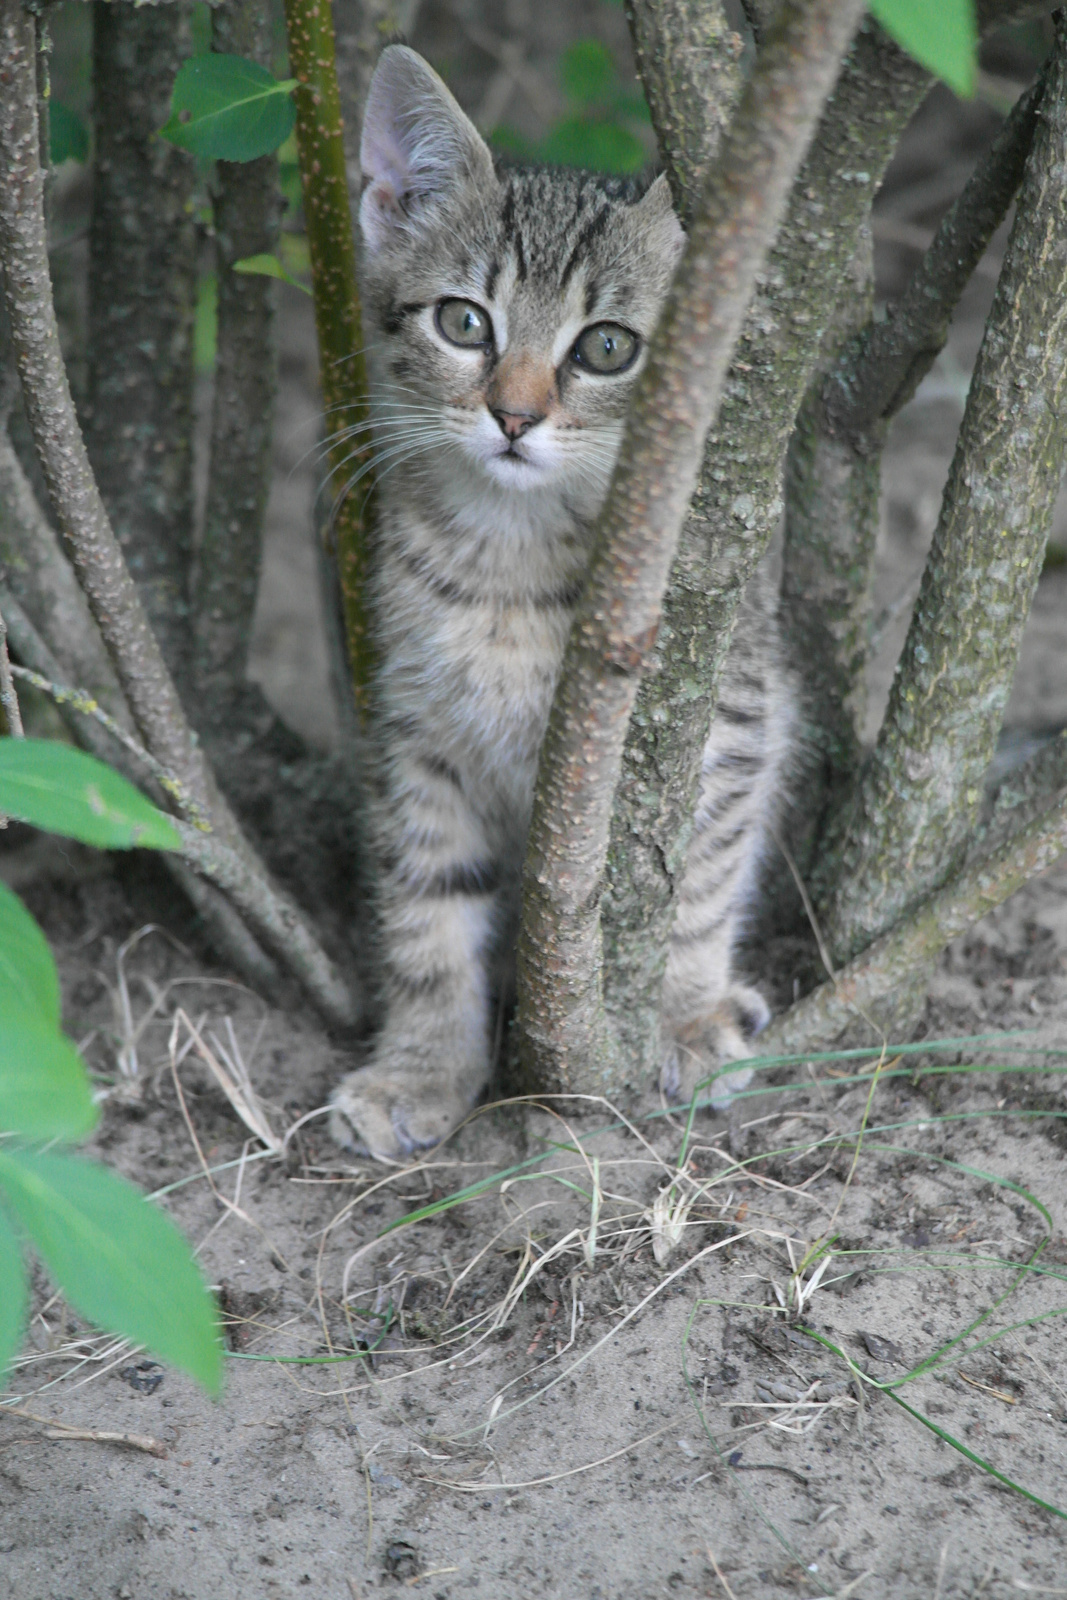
220	852
734	511
919	794
831	499
246	205
688	58
338	321
564	1041
871	995
882	368
142	290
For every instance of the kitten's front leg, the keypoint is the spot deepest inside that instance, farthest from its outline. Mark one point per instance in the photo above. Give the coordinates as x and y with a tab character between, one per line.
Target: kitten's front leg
432	1058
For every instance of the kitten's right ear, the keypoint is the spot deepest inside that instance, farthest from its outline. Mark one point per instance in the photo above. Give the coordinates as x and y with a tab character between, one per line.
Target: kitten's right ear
417	144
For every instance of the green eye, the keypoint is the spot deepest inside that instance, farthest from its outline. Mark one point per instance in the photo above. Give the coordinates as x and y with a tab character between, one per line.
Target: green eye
462	322
605	347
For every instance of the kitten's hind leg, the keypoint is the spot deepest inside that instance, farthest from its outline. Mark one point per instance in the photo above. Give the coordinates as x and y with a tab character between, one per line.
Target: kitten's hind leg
697	1051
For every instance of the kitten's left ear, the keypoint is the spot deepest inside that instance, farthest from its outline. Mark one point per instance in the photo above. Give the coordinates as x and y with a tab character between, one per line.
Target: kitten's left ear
662	229
417	145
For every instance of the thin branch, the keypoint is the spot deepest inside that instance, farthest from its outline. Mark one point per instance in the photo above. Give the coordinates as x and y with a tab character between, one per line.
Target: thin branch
94	551
338	320
246	205
561	1012
885	364
919	795
9	700
36	574
878	983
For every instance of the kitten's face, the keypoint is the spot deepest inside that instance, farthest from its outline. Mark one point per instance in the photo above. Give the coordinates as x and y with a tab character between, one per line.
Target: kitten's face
511	314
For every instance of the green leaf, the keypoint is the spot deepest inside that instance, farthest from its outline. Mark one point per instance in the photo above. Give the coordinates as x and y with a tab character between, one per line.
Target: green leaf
116	1258
12	1295
56	787
27	971
267	266
942	34
596	146
226	108
44	1088
587	72
68	137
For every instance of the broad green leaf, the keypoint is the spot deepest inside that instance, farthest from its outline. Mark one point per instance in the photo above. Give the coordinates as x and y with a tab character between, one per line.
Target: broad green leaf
226	108
68	137
27	971
267	266
56	787
597	146
587	72
942	34
118	1260
44	1088
12	1295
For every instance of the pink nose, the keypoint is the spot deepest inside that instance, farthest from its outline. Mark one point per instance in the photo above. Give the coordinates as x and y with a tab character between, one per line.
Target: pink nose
513	424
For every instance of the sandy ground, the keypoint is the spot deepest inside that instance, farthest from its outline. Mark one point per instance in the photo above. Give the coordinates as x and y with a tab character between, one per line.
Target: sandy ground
509	1396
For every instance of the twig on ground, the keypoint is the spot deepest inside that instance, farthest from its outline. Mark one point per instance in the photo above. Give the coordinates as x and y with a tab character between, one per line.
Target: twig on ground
63	1430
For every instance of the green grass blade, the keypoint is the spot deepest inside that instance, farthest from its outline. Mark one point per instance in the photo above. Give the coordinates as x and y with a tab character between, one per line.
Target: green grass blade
63	790
13	1296
118	1260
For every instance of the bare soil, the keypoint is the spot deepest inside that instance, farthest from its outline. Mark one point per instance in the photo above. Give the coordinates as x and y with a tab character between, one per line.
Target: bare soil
502	1397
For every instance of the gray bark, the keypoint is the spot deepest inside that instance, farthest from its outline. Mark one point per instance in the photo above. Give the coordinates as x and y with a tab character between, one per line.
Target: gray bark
246	205
832	498
883	367
564	1041
919	794
142	288
735	509
688	59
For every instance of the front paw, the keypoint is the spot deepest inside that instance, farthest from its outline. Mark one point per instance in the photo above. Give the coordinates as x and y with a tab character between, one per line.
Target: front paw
698	1051
396	1106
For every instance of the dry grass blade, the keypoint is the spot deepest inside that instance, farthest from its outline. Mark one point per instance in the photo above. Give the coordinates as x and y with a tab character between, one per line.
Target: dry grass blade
480	1486
231	1075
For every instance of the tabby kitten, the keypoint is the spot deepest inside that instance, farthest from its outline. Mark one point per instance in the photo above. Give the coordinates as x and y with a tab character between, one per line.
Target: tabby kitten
509	315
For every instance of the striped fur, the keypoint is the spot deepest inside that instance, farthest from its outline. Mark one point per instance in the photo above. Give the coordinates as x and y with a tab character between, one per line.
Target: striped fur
492	463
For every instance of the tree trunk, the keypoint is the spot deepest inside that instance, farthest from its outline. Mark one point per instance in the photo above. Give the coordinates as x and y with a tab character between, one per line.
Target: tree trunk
142	296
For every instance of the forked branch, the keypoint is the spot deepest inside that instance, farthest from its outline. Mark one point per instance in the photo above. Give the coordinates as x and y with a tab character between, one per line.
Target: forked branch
561	1012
